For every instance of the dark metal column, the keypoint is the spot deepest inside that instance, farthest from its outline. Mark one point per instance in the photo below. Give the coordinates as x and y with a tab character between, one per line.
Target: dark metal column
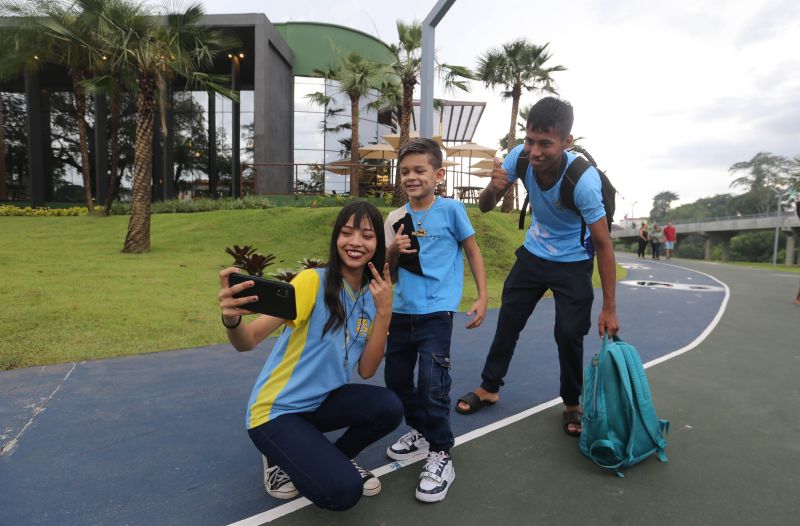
236	166
213	176
168	157
35	141
101	147
158	154
47	147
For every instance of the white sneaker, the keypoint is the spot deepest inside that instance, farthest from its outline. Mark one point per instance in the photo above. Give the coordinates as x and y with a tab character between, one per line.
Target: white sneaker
411	445
277	482
436	478
372	486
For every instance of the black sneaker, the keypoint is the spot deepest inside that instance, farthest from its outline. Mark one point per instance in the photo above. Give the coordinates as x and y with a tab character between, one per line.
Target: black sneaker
436	478
372	486
277	482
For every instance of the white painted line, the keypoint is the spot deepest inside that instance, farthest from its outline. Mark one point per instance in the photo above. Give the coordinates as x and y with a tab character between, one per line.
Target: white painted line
289	507
9	446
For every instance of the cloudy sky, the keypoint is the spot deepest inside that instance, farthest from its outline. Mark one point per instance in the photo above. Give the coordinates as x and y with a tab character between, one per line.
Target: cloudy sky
666	96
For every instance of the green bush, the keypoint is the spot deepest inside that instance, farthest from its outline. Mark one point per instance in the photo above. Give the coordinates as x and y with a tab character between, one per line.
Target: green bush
11	210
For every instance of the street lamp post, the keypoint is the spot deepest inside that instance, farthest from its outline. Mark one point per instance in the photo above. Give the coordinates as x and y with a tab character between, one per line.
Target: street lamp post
632	205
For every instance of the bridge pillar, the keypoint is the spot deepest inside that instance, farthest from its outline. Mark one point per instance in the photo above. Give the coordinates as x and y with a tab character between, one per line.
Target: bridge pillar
707	246
791	246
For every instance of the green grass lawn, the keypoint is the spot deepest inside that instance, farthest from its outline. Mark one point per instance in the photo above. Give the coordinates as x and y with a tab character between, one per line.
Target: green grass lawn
70	294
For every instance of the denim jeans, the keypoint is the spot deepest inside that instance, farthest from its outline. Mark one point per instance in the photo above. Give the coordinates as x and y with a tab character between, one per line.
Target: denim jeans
321	471
573	294
422	340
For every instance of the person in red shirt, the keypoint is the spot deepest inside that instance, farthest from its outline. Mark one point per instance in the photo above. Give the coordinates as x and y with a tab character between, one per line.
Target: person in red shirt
669	235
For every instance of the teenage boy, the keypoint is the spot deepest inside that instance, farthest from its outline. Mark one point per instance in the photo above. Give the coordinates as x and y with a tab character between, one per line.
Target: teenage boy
552	257
424	241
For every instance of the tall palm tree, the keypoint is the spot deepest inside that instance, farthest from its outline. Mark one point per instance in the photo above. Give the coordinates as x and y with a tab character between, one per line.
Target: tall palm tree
407	66
518	65
158	53
57	32
355	76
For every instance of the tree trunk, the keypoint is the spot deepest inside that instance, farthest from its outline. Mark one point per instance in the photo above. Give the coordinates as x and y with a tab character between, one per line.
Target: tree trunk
510	197
138	238
399	195
83	135
354	145
113	185
3	185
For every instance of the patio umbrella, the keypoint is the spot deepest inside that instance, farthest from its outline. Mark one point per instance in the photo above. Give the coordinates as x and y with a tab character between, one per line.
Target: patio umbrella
484	163
377	151
470	149
339	167
394	138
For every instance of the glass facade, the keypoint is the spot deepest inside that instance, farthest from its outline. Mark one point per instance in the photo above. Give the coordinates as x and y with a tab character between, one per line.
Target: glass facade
322	134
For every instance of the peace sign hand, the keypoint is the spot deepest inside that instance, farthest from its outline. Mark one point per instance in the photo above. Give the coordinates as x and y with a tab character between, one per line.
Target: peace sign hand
381	289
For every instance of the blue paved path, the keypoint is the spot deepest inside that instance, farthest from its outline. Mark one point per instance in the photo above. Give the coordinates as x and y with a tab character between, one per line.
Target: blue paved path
159	438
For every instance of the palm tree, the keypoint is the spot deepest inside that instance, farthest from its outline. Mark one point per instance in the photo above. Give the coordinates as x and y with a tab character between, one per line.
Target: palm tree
158	52
58	33
517	66
766	173
407	66
355	76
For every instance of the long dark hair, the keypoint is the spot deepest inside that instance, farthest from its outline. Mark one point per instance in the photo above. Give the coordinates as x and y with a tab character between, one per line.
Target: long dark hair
358	210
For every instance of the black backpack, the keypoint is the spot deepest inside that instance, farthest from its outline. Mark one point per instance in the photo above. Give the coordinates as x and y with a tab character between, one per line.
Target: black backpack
573	174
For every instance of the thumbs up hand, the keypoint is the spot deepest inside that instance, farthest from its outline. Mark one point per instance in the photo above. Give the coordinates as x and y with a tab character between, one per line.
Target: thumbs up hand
499	175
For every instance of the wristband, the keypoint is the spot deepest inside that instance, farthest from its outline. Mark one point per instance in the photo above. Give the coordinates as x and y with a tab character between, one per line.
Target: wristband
230	326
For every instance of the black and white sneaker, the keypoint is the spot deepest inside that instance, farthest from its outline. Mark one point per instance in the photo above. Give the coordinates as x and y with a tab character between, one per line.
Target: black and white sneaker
372	486
277	482
412	445
436	478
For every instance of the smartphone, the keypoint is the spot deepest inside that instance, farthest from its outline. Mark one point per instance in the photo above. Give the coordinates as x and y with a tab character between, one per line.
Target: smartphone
275	298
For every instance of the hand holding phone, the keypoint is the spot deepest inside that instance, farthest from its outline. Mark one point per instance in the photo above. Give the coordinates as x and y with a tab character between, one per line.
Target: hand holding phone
275	298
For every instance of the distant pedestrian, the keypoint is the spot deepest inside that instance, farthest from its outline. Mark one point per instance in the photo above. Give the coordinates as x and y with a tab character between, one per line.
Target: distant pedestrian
643	237
669	239
655	240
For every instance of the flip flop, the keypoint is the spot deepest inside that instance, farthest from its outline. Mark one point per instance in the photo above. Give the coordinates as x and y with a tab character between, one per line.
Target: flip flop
474	402
572	417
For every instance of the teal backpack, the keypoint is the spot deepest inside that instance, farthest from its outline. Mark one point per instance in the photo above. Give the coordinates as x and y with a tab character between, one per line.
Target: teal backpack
620	426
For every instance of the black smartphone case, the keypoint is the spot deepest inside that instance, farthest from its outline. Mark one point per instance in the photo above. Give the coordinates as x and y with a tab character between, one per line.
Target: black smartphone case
275	298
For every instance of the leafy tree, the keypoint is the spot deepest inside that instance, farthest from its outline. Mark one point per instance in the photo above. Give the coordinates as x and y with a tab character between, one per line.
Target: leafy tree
158	52
407	66
662	202
518	65
59	33
765	175
3	184
356	76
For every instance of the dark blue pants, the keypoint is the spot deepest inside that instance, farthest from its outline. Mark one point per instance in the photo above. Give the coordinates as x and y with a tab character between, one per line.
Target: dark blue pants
320	470
528	280
422	341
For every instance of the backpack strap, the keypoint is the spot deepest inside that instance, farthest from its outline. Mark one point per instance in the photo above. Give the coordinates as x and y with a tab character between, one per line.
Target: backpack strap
521	171
571	177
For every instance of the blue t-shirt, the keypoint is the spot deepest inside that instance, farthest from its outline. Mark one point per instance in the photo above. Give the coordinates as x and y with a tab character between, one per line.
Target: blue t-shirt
555	232
304	367
438	284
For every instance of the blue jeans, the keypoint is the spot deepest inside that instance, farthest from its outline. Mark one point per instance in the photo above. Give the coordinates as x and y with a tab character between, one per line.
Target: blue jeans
422	340
321	471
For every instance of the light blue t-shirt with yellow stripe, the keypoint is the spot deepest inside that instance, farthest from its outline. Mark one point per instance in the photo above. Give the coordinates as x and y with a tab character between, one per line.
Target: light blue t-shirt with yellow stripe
304	367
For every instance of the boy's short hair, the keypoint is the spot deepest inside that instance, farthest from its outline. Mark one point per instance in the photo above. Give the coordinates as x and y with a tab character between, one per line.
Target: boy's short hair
422	145
551	114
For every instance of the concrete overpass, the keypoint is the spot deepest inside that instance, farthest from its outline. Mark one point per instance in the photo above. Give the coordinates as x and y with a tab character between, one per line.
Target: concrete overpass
722	229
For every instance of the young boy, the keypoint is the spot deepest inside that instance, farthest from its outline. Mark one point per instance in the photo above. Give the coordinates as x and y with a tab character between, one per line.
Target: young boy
424	239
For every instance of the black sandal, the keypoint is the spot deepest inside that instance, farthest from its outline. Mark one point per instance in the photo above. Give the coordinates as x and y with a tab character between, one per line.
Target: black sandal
572	417
474	402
